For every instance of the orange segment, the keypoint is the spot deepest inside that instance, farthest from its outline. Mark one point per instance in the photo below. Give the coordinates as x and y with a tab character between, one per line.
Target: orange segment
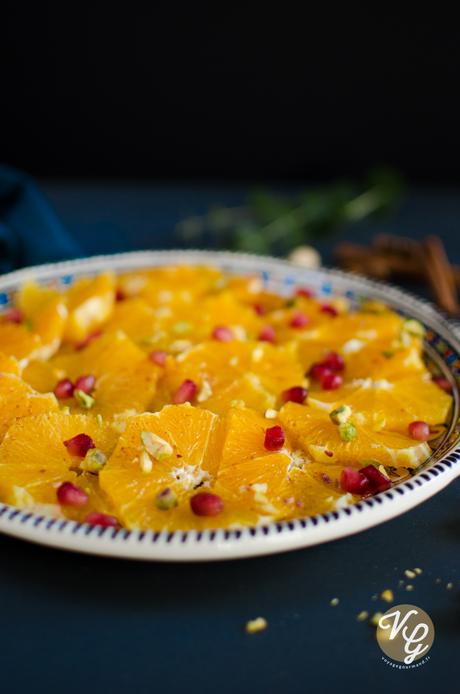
315	434
90	302
18	399
9	364
33	457
191	438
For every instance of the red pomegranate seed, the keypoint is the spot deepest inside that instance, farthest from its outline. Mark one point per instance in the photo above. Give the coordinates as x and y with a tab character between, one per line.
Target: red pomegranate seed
331	381
206	504
299	320
120	295
95	518
222	333
88	340
12	315
259	309
333	361
186	392
294	394
85	383
318	371
377	481
274	438
329	309
64	389
443	383
419	431
69	494
79	445
354	481
267	334
158	357
305	293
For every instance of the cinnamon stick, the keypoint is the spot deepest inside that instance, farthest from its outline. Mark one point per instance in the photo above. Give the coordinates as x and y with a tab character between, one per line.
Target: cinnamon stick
439	274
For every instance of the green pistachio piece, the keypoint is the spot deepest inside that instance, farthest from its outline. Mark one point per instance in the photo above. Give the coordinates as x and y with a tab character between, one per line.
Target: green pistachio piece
93	461
347	431
341	414
84	400
166	499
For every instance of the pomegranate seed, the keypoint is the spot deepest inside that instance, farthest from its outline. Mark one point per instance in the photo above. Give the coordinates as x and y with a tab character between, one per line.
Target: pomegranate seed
419	431
12	315
222	333
79	445
206	504
64	389
267	334
95	518
333	361
377	481
443	383
69	494
120	295
186	392
294	394
259	309
329	309
88	340
158	357
85	383
274	438
318	371
354	481
299	320
305	293
331	381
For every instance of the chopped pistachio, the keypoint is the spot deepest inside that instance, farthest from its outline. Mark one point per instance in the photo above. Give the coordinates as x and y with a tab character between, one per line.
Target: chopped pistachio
347	431
341	414
449	585
408	573
93	461
414	327
156	446
418	571
334	602
362	616
409	587
388	353
145	462
166	499
83	399
271	414
387	595
255	625
181	327
99	419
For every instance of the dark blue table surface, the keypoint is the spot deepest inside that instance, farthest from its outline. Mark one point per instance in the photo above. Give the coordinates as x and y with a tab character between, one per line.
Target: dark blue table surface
76	623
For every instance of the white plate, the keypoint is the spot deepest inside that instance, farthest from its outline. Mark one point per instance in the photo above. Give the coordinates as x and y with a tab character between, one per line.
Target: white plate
442	347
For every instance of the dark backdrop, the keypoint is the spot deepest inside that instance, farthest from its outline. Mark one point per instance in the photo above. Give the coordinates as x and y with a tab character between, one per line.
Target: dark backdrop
169	90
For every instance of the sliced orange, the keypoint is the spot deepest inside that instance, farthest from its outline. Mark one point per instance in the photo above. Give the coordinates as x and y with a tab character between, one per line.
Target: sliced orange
18	399
33	457
190	438
314	433
9	364
90	302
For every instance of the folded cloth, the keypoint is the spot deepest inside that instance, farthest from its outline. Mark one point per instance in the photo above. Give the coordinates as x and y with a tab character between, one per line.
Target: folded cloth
30	231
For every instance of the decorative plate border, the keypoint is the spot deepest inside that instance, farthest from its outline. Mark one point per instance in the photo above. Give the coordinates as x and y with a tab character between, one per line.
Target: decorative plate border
443	467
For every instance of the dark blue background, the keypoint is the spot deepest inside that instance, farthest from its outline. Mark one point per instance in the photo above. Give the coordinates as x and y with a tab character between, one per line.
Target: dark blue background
77	623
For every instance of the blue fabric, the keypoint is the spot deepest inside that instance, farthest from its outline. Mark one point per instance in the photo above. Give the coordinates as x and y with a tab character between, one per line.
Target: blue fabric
30	231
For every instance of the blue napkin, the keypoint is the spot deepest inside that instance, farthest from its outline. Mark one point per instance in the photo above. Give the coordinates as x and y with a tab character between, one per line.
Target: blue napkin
30	232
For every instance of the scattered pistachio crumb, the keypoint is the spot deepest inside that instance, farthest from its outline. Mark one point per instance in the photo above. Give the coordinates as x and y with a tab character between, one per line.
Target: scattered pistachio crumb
409	587
374	597
84	400
400	582
347	431
362	616
438	580
449	585
418	571
340	415
99	419
145	462
409	573
255	625
387	595
271	414
374	620
334	602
